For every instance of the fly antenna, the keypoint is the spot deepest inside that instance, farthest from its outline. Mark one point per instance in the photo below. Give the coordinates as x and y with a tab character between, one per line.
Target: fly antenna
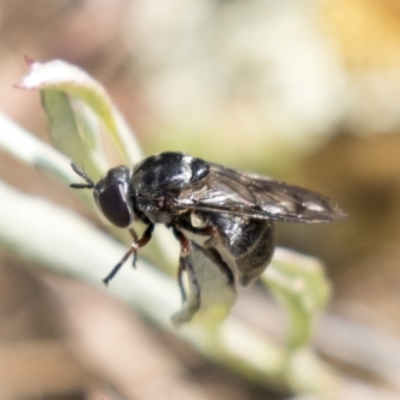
89	185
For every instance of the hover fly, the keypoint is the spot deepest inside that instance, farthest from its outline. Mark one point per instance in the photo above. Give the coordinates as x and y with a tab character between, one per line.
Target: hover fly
230	214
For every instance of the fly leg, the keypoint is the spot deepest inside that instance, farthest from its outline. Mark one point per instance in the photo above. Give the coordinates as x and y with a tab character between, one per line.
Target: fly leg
135	246
192	304
185	250
210	231
212	241
135	238
183	240
181	270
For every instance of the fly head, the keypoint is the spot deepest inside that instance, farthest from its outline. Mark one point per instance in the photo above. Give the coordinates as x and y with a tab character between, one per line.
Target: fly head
111	194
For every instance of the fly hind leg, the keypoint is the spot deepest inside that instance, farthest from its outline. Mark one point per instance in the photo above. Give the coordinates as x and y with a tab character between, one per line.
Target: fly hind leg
185	250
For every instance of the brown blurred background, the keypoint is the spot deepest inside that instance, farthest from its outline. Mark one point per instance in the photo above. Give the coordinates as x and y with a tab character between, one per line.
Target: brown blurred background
305	90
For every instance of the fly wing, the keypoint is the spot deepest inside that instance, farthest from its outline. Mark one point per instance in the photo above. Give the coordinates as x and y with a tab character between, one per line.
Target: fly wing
228	191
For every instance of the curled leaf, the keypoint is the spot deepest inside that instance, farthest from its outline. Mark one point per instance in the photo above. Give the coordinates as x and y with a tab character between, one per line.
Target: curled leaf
70	97
210	290
300	285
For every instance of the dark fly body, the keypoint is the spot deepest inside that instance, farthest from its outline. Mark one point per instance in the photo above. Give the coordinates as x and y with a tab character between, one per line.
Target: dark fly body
229	213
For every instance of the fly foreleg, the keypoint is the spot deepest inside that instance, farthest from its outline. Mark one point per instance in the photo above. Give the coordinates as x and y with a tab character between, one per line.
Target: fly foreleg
135	246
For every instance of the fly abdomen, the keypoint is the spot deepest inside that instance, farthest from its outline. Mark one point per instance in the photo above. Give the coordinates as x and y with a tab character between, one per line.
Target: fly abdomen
248	244
258	253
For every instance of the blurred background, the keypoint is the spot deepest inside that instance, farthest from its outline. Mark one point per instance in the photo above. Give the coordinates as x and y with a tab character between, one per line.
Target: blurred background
307	91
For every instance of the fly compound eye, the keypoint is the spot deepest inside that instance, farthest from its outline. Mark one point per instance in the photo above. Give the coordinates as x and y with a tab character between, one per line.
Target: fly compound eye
114	205
111	195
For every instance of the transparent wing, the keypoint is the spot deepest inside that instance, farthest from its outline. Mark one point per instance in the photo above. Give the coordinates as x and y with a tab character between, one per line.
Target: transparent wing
229	191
